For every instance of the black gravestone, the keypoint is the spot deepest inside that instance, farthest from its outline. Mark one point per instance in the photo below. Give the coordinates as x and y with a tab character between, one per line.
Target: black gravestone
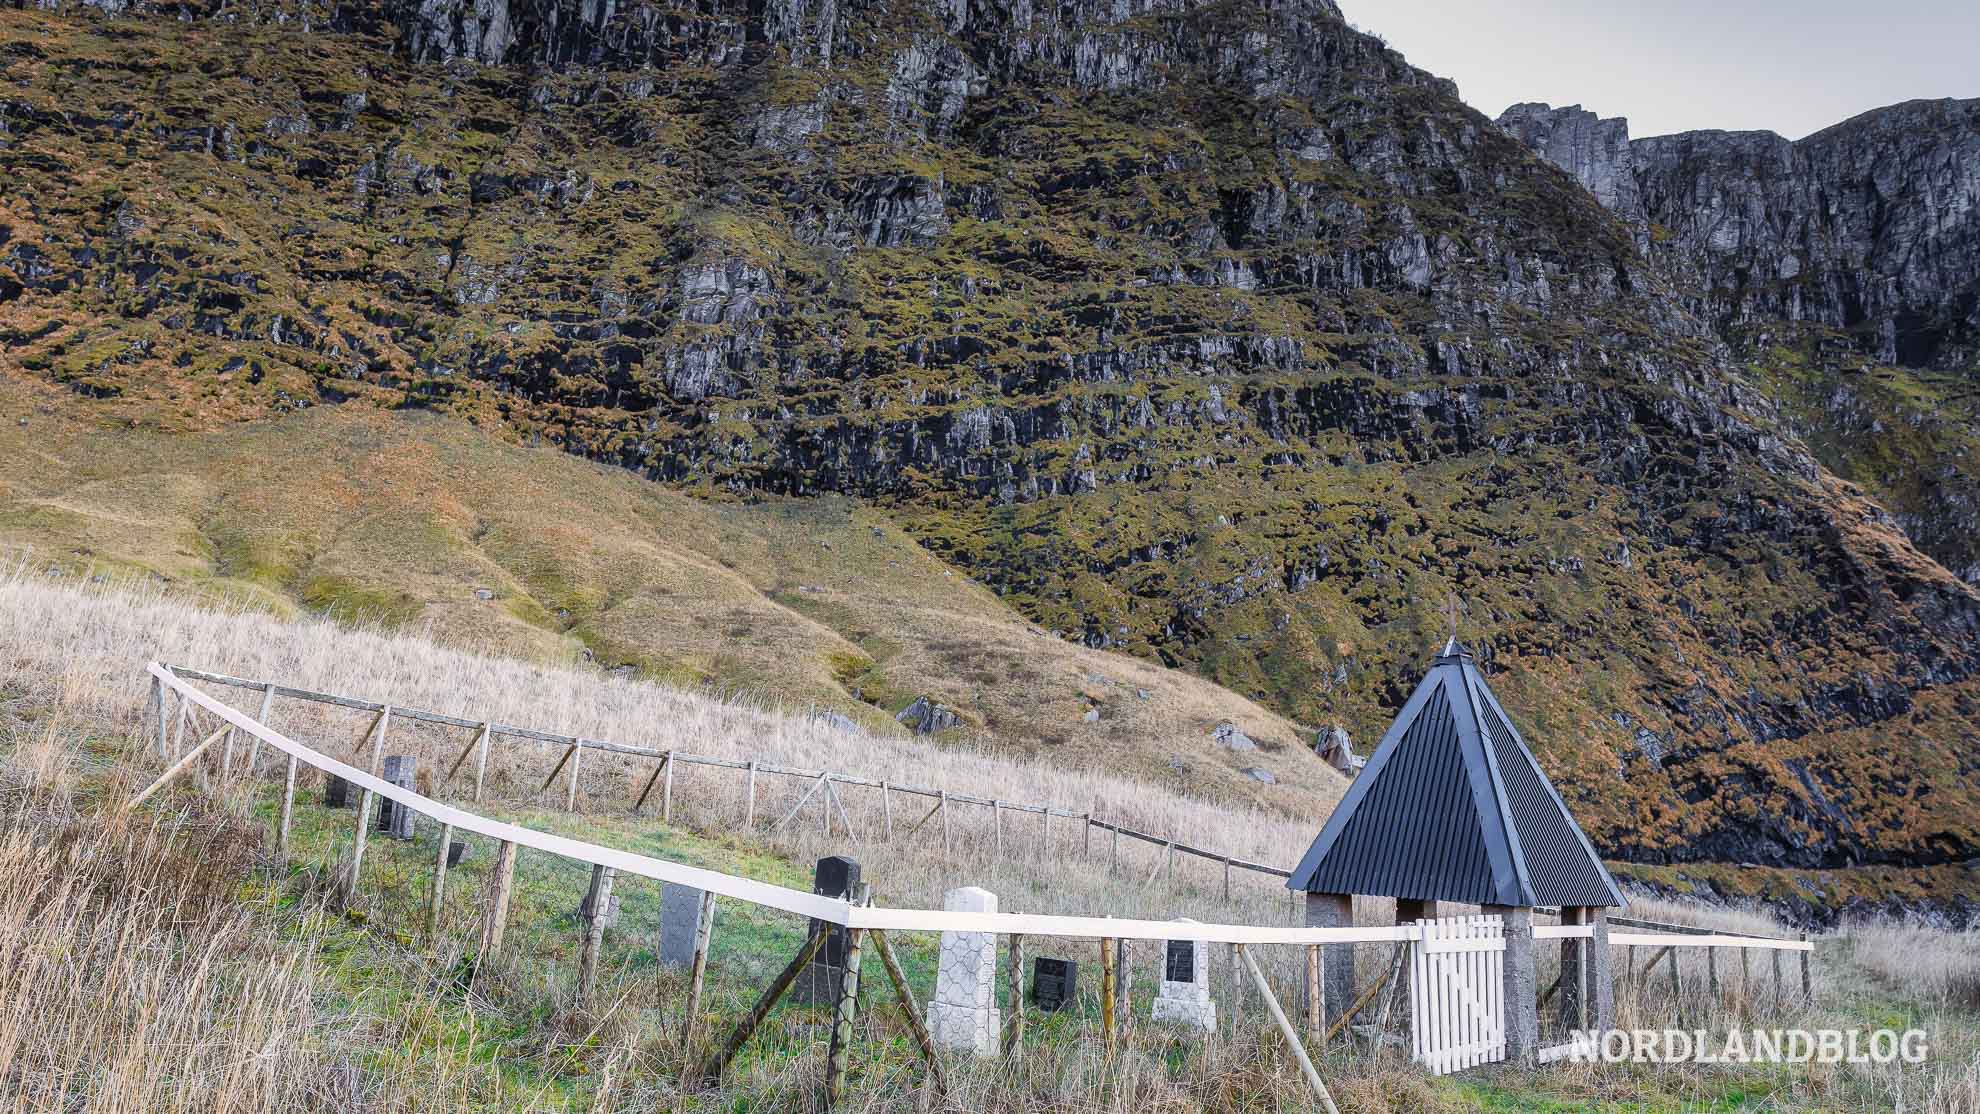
395	819
336	792
1180	965
818	983
1053	983
456	851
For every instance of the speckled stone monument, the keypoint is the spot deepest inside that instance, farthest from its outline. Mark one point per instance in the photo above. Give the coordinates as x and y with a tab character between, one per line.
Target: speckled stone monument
964	1011
1185	993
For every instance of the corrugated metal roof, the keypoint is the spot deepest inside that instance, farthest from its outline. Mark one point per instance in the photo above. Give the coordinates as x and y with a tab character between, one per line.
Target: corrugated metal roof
1453	807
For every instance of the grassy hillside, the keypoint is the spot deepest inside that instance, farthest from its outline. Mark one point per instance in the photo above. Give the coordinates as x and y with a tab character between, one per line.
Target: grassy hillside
414	522
166	962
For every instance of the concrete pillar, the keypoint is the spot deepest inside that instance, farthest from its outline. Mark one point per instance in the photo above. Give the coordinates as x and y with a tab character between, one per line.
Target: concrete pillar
1572	976
1337	960
1521	998
1601	975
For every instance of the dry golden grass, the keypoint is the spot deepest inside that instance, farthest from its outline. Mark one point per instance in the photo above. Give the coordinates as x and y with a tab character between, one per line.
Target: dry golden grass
222	997
85	646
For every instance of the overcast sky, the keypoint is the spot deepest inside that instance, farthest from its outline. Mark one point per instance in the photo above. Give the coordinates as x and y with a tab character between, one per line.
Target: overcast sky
1791	66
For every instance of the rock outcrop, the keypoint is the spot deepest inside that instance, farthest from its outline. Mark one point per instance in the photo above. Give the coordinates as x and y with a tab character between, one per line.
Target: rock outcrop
1871	226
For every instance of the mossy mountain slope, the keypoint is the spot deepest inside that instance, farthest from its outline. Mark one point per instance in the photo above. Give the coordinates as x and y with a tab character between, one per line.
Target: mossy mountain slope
1209	331
418	522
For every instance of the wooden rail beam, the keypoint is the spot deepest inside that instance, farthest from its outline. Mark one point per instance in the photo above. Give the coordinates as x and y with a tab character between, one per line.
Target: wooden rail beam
1286	1030
176	769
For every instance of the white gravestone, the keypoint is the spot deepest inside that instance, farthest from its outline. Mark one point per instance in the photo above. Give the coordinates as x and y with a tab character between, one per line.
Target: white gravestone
964	1012
1185	994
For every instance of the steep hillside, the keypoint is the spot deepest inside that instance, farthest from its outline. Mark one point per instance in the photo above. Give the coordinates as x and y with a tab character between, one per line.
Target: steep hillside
1213	332
1845	268
425	525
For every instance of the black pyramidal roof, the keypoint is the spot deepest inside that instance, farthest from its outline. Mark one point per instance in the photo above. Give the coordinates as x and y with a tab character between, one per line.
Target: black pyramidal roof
1452	807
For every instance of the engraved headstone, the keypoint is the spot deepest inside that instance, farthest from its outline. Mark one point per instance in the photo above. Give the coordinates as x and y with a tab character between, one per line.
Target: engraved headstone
1185	994
1053	983
963	1013
819	983
680	923
394	819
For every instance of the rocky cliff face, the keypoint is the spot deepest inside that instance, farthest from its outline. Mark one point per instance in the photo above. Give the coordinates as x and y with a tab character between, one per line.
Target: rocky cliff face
1817	260
1210	332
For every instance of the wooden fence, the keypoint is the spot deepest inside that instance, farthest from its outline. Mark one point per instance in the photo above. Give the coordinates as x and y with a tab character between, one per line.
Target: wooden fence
824	783
223	725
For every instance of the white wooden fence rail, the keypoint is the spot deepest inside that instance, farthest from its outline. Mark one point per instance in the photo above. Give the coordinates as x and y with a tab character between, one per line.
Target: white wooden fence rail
804	904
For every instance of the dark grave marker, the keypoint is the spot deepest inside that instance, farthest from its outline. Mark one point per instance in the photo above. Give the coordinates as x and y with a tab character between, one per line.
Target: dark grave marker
336	792
818	983
395	819
457	850
1053	983
1181	961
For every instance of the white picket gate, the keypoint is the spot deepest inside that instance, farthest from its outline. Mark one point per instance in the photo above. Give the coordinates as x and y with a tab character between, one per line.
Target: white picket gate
1457	993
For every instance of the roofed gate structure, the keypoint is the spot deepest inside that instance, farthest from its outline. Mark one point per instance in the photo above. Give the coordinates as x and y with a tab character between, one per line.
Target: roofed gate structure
1453	807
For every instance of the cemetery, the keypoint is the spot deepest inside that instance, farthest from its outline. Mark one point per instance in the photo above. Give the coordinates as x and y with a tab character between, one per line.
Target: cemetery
1449	819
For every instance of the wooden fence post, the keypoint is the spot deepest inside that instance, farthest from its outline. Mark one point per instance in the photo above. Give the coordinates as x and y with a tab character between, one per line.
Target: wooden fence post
1123	983
495	915
1807	986
667	792
1114	856
570	790
1314	1009
1712	974
1014	979
598	903
948	846
839	1051
997	822
288	809
1107	990
1775	955
261	717
1086	838
704	938
160	698
365	799
749	807
1677	989
481	759
887	810
439	883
